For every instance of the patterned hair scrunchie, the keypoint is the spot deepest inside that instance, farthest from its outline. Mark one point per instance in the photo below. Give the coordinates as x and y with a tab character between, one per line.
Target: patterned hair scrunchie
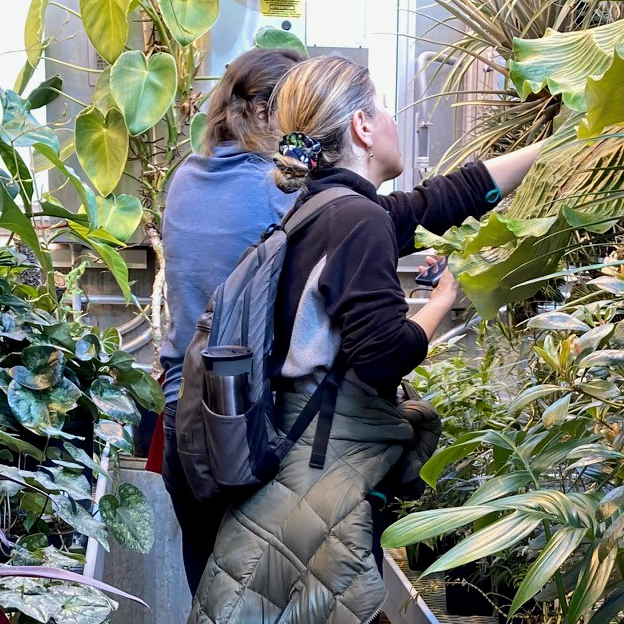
302	147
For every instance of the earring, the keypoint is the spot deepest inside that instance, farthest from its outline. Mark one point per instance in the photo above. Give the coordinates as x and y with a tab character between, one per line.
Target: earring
370	152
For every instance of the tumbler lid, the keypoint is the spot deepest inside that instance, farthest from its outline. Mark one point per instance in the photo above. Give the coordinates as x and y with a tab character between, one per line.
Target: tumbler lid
227	360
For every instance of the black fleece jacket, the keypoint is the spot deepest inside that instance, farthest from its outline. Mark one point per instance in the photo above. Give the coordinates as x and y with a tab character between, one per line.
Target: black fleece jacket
361	240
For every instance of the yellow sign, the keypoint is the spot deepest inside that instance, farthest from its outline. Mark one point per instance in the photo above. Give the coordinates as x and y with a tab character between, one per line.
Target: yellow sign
281	8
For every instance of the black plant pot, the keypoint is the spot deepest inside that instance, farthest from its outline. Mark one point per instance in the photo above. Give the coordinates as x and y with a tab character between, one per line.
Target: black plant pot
420	556
143	434
504	597
464	599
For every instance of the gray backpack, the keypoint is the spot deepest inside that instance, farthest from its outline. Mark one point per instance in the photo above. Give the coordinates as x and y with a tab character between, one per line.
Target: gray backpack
235	453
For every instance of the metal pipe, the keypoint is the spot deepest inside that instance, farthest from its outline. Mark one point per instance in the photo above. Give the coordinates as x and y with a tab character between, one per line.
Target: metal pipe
91	556
138	341
112	300
135	322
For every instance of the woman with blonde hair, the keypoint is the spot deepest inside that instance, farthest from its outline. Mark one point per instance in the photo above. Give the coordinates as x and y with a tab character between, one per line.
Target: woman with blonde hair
302	549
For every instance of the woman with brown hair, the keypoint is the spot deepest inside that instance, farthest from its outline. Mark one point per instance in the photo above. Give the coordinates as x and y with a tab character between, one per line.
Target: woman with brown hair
302	549
217	206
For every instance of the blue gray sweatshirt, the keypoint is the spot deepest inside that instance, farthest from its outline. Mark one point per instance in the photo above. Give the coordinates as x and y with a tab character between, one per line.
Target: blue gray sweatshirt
217	206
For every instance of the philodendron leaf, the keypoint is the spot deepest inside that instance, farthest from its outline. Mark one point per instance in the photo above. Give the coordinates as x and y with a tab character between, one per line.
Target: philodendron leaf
114	434
88	347
143	387
143	88
269	37
81	457
423	525
106	25
20	446
102	96
45	93
80	519
120	216
102	147
66	141
557	551
198	130
189	19
563	61
604	98
43	367
114	402
129	518
33	30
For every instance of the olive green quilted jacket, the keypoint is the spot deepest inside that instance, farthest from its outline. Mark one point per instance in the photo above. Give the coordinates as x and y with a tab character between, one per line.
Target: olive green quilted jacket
299	550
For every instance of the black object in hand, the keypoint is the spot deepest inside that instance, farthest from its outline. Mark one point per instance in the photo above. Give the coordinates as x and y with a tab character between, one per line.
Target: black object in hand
432	276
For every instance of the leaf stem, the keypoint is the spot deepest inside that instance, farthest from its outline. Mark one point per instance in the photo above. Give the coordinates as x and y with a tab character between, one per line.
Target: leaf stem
69	97
62	6
207	78
78	67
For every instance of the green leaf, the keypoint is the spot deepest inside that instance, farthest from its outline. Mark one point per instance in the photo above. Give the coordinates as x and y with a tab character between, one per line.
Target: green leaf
144	89
81	457
79	518
66	141
23	78
502	534
610	608
143	387
499	486
591	583
613	533
557	413
129	518
563	61
14	220
114	402
532	394
110	257
88	347
43	367
269	37
106	25
189	19
605	357
102	96
592	339
20	446
600	389
604	98
610	503
45	93
557	551
33	31
120	216
558	321
423	525
114	434
198	131
19	127
86	195
461	448
102	147
610	283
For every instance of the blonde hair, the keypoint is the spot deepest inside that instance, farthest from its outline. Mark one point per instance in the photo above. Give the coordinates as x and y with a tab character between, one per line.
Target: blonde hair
247	83
318	98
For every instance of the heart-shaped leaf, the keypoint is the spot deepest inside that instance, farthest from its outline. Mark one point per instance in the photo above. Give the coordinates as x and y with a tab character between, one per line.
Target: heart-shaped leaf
102	147
269	37
102	96
66	141
46	92
198	130
88	347
43	412
189	19
33	31
43	367
129	518
114	434
79	518
144	89
106	25
143	387
119	216
114	402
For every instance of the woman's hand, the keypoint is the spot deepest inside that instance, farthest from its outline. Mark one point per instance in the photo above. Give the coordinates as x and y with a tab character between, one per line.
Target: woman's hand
440	303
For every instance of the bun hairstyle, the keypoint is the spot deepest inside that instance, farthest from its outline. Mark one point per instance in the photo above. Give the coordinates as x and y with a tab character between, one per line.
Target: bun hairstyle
313	105
247	84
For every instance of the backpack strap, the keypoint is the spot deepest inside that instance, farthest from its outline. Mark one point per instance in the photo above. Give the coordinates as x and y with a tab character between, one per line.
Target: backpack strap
313	208
323	403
